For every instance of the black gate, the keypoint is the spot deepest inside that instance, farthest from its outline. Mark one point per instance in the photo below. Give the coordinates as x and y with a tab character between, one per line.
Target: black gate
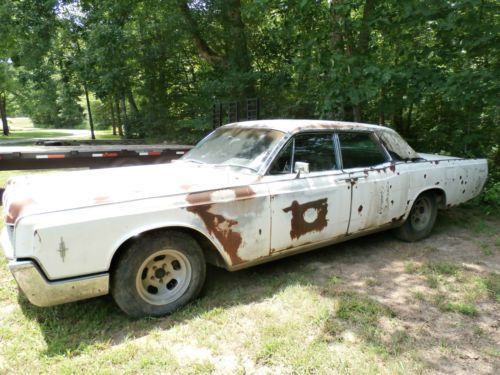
227	112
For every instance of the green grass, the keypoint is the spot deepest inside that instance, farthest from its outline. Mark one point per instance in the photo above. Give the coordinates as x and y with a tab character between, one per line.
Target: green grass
493	285
29	134
459	307
22	129
315	313
20	122
359	309
458	290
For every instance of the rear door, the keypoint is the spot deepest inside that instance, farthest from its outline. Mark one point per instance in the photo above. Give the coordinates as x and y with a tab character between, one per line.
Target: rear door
379	189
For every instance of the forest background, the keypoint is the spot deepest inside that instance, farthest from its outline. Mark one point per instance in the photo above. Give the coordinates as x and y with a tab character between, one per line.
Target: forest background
154	69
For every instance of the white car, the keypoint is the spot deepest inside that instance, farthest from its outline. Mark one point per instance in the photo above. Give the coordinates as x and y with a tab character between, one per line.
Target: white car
246	194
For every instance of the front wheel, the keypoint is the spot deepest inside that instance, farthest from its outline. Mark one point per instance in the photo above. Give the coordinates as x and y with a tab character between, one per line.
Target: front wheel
158	274
421	220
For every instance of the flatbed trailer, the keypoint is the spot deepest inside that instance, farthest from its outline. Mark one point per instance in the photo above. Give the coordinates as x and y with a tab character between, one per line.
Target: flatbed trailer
47	155
80	154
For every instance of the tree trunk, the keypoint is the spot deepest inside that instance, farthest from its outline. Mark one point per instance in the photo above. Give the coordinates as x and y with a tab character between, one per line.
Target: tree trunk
409	119
397	121
208	54
236	57
113	118
381	118
125	116
356	113
89	111
237	47
3	113
381	114
364	34
119	117
132	103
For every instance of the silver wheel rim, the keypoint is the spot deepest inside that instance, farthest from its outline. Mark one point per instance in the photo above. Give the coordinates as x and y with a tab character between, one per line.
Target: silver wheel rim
421	213
163	277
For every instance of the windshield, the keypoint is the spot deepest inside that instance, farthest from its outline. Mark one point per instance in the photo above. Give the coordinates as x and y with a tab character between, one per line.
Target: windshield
235	147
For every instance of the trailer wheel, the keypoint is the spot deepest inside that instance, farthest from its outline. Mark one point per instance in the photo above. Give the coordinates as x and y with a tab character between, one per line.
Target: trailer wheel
421	220
158	274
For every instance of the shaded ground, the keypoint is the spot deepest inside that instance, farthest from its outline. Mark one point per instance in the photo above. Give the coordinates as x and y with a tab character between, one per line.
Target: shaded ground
371	305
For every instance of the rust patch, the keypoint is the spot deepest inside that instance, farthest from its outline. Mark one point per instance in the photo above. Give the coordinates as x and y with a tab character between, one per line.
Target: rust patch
16	208
396	219
299	226
392	167
360	208
243	192
102	199
217	225
199	198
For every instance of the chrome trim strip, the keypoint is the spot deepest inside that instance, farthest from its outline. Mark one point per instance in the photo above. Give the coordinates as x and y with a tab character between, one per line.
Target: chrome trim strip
41	292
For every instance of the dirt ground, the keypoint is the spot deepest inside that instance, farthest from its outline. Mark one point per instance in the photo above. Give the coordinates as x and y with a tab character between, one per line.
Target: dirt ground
390	271
373	305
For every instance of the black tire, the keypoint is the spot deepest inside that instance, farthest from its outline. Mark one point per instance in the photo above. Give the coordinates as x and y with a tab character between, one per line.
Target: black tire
421	219
158	274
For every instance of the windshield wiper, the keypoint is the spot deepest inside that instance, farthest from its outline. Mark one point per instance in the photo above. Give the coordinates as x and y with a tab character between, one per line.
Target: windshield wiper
235	165
193	161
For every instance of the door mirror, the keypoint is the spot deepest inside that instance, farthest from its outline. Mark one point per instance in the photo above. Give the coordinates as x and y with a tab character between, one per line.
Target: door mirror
301	167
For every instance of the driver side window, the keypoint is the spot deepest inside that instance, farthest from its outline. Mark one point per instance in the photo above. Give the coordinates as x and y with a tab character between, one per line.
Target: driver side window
316	149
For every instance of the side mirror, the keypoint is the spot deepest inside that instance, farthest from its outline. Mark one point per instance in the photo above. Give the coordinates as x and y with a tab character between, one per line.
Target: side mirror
301	167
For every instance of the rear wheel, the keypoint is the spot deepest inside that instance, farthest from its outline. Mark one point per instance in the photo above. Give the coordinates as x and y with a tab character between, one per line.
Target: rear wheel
421	220
158	274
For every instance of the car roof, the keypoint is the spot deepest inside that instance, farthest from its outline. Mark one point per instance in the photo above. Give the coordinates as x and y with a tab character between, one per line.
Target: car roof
293	126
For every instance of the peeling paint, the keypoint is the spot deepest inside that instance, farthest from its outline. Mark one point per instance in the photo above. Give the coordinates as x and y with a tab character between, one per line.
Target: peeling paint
216	224
103	199
243	192
16	209
299	225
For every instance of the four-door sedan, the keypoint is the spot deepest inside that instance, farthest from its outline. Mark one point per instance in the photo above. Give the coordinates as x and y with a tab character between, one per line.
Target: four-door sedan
248	193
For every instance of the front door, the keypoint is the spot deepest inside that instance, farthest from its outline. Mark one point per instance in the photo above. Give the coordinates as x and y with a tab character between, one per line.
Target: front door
309	207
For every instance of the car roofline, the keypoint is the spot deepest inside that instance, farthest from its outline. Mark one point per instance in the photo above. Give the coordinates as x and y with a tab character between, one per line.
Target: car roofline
294	126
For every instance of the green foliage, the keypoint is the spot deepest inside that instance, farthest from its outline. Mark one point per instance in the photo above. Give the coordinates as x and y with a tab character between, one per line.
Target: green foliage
428	69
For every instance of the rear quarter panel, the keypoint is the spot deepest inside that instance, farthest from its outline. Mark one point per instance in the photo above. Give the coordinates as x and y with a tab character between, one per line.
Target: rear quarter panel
460	179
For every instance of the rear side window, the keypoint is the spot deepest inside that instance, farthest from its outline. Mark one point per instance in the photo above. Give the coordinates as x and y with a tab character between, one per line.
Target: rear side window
360	150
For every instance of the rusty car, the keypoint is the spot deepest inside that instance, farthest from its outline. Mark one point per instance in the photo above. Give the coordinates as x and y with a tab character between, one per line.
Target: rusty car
248	193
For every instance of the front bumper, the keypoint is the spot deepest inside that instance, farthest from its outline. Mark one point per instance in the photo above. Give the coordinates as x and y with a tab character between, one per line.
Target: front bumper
41	292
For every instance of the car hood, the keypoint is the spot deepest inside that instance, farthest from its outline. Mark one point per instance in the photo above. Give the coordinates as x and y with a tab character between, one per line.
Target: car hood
42	193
